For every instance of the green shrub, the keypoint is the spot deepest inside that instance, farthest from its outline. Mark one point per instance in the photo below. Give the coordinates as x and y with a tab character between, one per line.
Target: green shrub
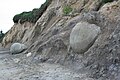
16	18
31	16
67	10
1	36
106	1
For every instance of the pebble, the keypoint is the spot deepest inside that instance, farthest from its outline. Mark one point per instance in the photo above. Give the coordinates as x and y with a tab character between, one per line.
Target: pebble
29	54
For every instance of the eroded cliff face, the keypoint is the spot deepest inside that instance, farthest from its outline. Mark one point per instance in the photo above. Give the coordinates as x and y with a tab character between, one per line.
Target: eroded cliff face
49	38
18	33
52	16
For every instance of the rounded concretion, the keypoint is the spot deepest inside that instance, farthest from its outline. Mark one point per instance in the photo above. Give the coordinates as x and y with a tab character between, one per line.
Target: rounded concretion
17	48
83	35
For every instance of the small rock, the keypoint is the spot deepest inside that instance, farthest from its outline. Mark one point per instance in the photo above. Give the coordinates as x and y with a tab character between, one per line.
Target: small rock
16	60
29	54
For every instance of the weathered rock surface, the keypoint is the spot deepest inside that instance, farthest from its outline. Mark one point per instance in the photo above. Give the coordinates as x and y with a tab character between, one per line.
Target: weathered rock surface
18	33
111	10
83	35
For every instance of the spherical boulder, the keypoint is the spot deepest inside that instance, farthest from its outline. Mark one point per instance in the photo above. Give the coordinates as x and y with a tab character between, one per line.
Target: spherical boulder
17	48
83	35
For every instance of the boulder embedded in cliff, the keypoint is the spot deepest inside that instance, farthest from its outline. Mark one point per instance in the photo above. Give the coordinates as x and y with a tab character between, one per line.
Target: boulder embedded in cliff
17	48
83	36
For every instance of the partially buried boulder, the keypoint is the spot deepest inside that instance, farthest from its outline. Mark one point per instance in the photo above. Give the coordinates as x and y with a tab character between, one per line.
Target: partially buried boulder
83	36
17	48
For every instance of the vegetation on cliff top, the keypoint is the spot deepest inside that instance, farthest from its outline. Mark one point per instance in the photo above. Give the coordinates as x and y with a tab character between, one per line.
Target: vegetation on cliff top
106	1
31	16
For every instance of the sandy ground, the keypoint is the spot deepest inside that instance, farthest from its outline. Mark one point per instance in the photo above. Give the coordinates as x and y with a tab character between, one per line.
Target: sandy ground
11	68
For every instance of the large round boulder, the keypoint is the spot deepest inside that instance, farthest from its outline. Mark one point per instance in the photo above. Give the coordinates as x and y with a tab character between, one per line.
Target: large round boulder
17	48
83	35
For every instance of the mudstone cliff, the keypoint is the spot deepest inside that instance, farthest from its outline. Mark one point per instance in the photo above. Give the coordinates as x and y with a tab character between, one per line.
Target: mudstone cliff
86	40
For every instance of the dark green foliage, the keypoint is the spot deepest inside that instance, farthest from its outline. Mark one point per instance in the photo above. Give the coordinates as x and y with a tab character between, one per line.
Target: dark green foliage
16	18
1	36
31	16
106	1
67	10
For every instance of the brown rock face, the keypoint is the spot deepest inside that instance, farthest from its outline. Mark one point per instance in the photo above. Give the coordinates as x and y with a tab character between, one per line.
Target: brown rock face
49	37
18	33
111	10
